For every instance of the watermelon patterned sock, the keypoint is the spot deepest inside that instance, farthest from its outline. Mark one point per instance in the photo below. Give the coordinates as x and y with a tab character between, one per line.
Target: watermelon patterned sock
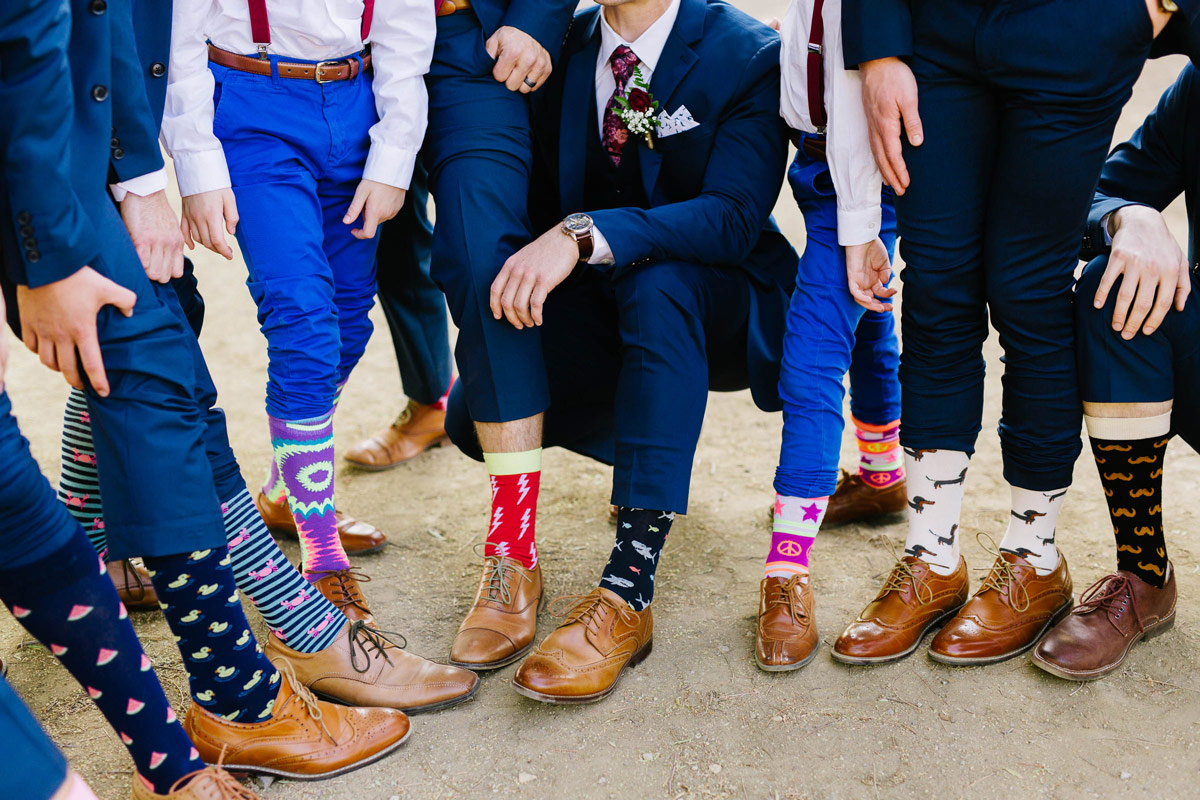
227	672
68	603
304	455
880	459
78	483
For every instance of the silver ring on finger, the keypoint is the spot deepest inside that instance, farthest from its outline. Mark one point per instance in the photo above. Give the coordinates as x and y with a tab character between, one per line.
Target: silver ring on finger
530	84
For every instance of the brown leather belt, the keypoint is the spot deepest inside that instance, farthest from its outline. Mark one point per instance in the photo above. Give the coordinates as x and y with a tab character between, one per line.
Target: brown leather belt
814	146
448	7
345	69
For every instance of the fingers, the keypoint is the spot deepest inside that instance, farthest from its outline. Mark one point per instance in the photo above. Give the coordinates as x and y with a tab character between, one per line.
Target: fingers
537	302
506	60
912	120
520	70
893	153
774	24
1184	285
371	220
880	154
357	204
521	300
186	229
230	212
1142	303
1163	298
1116	265
1123	300
497	292
123	299
219	244
539	73
508	299
93	363
492	45
46	353
65	354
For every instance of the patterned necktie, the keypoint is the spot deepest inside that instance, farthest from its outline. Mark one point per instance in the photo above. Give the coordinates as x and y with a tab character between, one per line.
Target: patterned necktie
623	63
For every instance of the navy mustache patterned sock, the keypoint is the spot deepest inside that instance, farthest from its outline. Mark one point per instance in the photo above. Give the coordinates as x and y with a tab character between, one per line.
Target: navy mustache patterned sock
227	672
630	570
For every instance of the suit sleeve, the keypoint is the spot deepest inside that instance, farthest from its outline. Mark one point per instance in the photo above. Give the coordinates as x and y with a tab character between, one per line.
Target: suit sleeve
1150	169
544	20
40	204
874	29
745	170
135	149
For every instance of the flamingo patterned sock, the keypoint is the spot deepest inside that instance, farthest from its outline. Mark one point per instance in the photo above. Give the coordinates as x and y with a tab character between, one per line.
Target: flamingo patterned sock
294	611
78	484
796	522
304	454
68	603
227	671
633	561
516	478
880	460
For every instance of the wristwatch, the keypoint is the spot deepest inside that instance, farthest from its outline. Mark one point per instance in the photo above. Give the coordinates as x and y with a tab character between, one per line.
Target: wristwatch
579	228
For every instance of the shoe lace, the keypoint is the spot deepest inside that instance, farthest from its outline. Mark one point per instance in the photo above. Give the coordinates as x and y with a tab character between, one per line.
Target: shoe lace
497	576
367	640
1001	575
406	415
302	695
226	786
902	575
589	609
1112	594
785	594
127	570
843	476
345	592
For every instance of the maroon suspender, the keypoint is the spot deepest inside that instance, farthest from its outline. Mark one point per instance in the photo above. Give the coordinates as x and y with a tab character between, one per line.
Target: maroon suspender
260	28
816	67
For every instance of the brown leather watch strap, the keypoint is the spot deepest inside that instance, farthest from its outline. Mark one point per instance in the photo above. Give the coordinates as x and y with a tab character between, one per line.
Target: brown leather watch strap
586	243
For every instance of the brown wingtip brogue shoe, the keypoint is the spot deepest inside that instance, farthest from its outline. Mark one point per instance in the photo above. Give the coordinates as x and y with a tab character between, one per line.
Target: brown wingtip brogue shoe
418	428
358	538
1114	613
366	668
304	739
133	585
583	659
1011	611
210	783
914	599
786	635
341	588
855	500
500	626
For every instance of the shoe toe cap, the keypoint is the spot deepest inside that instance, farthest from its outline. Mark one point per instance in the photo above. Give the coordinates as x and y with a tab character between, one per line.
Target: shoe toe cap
480	646
866	639
546	675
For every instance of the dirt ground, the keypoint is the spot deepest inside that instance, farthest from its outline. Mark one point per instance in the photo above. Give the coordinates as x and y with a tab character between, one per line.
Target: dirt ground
697	719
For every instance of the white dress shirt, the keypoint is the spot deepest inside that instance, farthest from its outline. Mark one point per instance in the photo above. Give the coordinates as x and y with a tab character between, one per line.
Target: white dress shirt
856	179
648	48
401	37
142	185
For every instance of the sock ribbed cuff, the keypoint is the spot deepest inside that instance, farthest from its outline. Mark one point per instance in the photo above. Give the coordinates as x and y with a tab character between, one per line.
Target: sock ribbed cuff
513	463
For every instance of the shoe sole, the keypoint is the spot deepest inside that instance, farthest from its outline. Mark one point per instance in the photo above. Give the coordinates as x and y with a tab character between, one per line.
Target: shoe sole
804	662
242	770
1157	629
438	706
445	440
862	661
875	517
558	700
979	661
492	665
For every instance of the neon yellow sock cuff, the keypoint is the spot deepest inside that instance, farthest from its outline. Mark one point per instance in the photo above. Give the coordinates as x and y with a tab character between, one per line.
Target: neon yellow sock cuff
513	463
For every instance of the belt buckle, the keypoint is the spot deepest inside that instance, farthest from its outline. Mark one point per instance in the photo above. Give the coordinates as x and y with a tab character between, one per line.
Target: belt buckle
321	65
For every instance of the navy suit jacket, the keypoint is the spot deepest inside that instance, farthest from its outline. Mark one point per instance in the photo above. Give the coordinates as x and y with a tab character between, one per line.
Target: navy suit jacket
137	113
1159	162
544	20
62	69
710	189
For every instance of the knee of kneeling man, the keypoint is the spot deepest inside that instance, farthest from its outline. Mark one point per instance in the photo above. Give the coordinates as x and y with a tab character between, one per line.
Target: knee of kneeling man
1085	292
654	282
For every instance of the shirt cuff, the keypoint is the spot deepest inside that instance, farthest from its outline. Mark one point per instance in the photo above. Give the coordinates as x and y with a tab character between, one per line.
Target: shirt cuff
1104	228
201	171
390	165
601	252
858	226
142	185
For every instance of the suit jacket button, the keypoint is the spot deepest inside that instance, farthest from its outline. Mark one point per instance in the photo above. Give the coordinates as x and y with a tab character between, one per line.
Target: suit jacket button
158	69
97	7
99	93
30	244
33	256
26	230
24	218
118	153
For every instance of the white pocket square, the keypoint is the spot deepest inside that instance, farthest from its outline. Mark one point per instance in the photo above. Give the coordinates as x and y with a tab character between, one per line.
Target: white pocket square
680	121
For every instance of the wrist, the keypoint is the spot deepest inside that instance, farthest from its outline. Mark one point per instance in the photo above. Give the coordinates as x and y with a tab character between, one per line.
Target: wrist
1130	215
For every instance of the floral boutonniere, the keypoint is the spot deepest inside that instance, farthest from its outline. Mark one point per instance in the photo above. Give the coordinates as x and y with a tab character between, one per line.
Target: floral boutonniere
637	108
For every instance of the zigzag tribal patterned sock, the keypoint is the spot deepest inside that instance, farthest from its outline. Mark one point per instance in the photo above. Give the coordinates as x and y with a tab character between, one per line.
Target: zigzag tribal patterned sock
227	671
295	611
797	520
304	454
1129	456
880	460
935	493
78	484
275	489
77	616
1032	524
629	572
512	528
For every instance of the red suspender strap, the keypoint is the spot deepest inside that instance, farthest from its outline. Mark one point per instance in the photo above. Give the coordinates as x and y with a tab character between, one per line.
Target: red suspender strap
368	12
260	29
816	67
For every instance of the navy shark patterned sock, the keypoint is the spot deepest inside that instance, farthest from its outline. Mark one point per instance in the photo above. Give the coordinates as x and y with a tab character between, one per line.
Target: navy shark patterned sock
227	671
630	569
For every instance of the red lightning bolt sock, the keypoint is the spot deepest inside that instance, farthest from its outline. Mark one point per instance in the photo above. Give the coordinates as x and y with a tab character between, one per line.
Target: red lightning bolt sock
515	481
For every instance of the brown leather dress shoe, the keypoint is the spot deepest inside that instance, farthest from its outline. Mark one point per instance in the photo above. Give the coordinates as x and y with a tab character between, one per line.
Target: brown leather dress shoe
1114	613
582	660
340	587
210	783
1011	611
357	537
366	668
500	626
786	635
913	600
855	500
133	586
418	428
305	739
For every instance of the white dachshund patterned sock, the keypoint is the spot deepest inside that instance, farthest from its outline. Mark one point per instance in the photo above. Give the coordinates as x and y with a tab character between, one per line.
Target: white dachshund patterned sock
935	493
1031	525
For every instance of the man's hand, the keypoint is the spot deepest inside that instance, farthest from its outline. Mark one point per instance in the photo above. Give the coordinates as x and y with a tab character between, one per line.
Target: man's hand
377	203
518	56
206	218
1154	271
525	280
889	99
58	322
868	272
156	234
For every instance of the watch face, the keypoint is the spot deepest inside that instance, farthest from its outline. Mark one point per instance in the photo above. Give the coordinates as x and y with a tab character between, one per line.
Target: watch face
577	223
